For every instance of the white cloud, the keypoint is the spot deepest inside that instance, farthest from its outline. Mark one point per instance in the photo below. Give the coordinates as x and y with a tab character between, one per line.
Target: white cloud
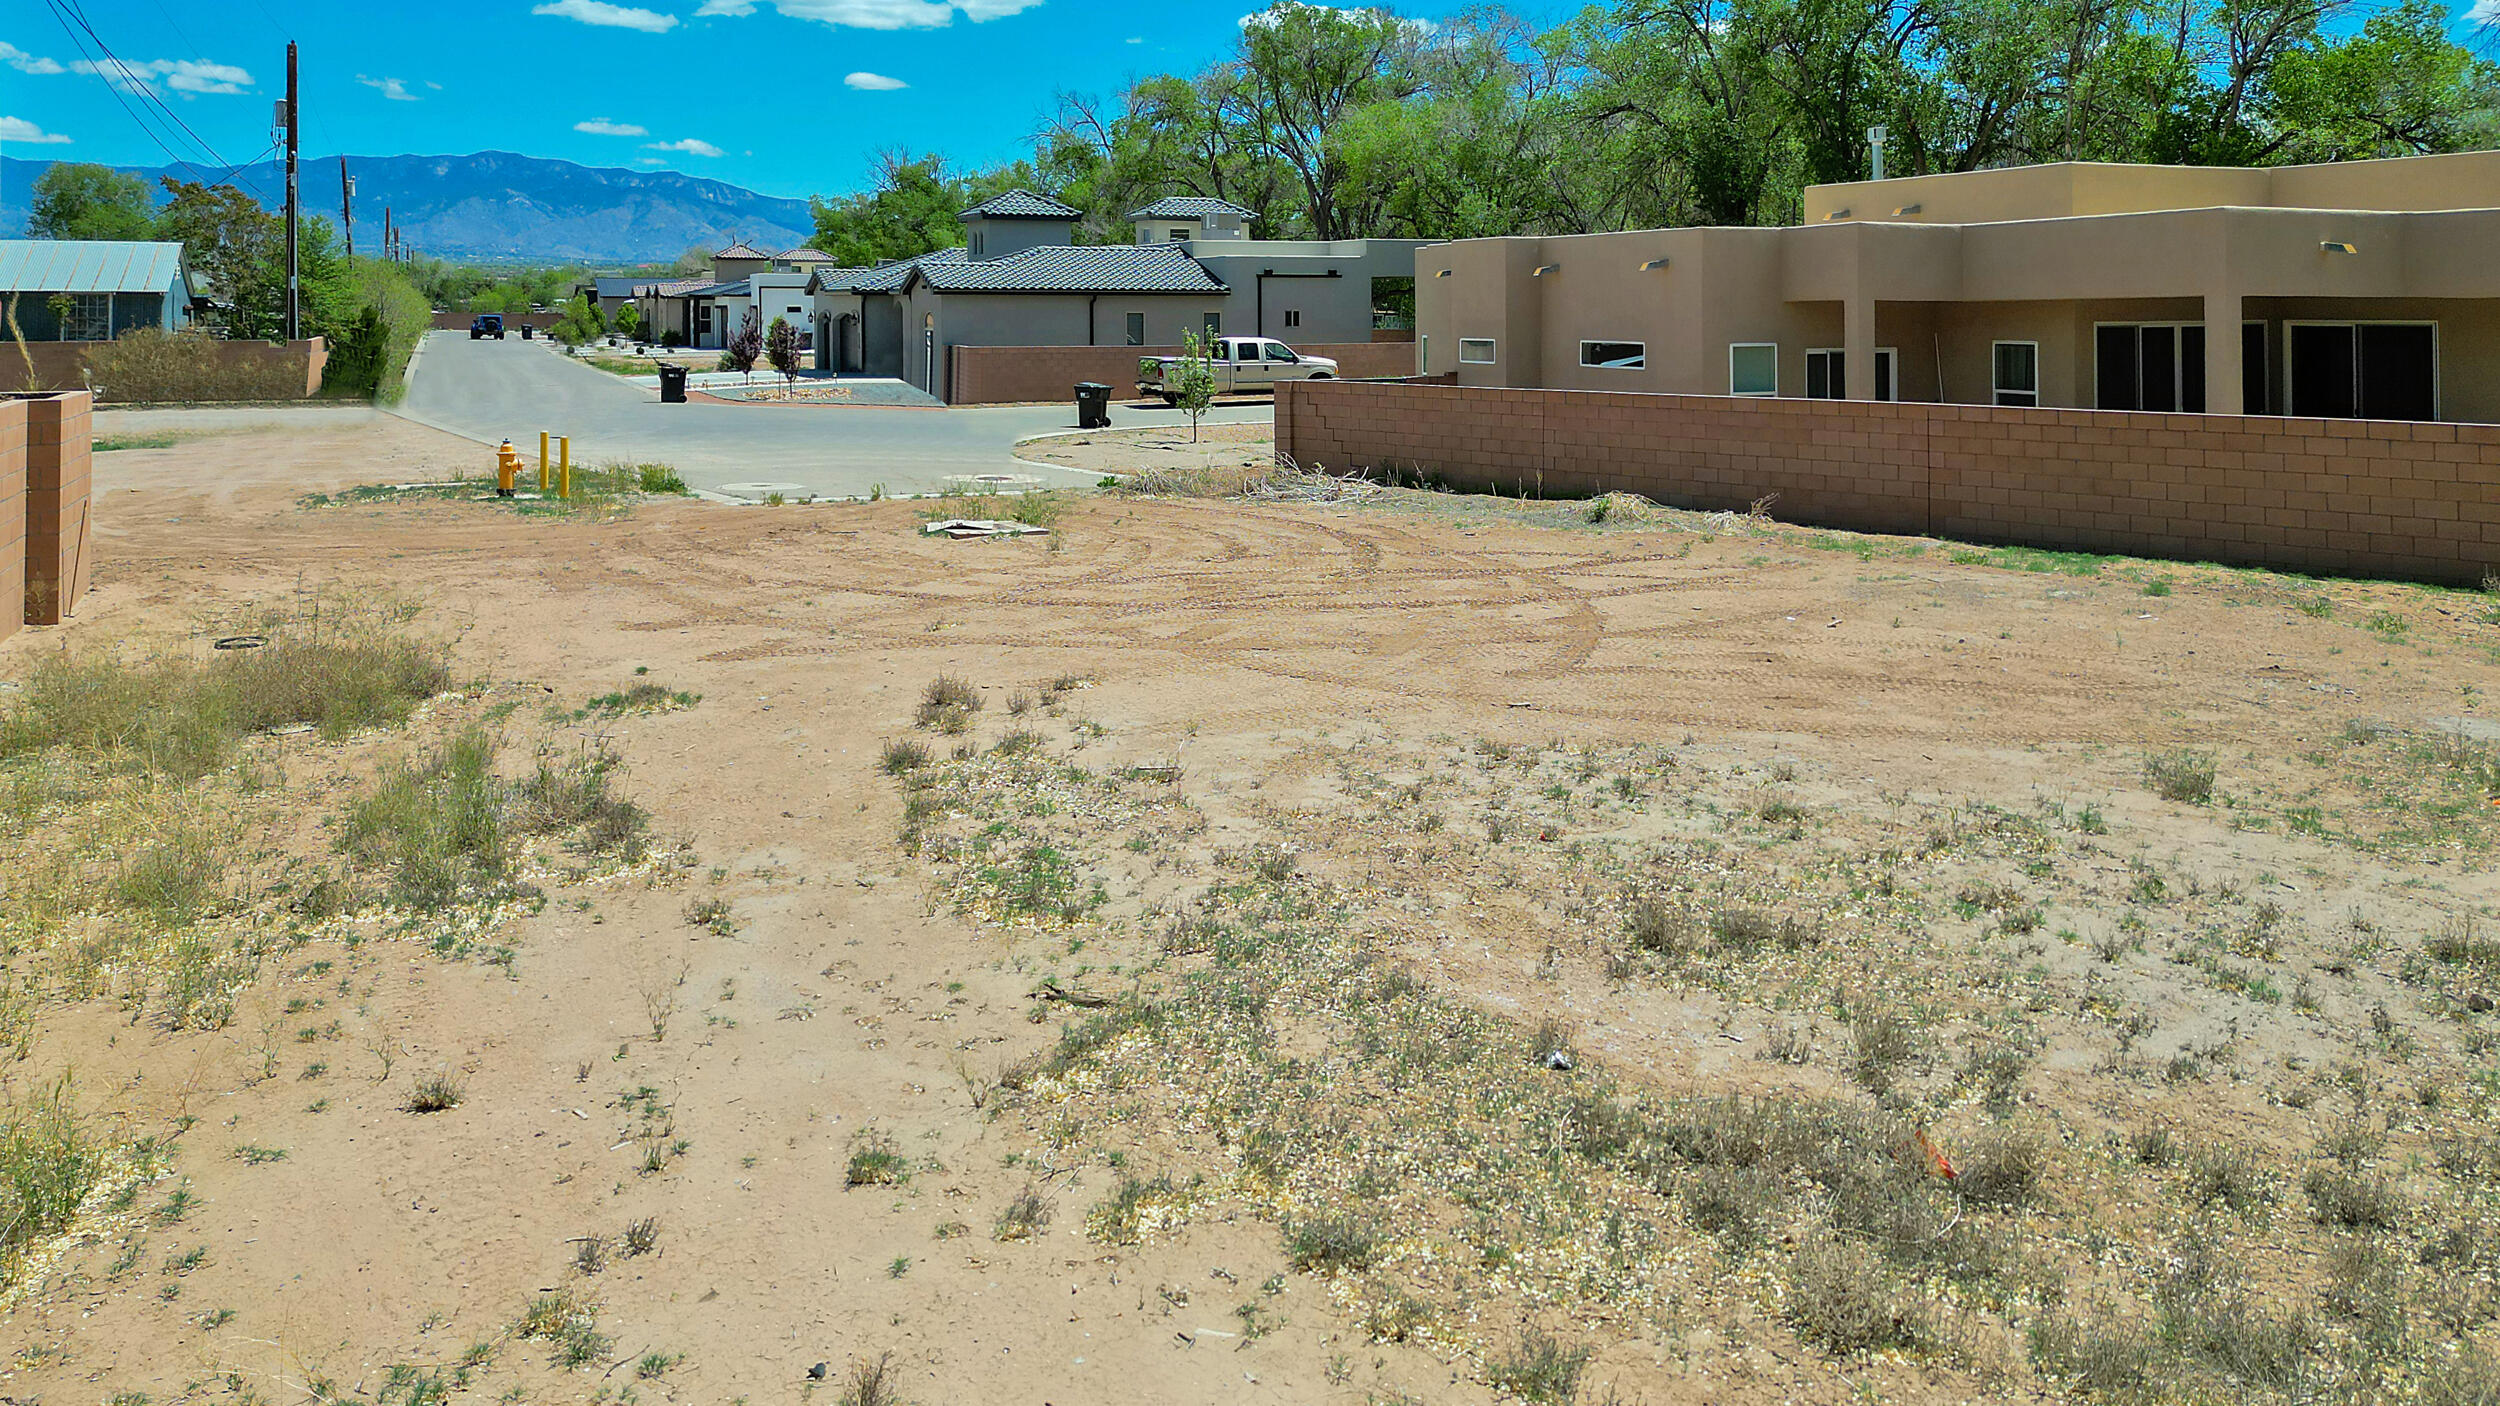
25	62
2486	14
602	127
25	133
191	76
880	14
392	88
692	146
879	83
601	13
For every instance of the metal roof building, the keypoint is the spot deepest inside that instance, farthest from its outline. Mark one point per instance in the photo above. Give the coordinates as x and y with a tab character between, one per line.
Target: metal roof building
90	290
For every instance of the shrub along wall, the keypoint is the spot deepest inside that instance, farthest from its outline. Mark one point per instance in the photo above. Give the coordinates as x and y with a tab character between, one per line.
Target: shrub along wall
2349	497
151	365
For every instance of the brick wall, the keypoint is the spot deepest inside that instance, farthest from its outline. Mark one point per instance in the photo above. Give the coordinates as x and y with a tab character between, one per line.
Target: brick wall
1005	375
2344	497
12	516
60	545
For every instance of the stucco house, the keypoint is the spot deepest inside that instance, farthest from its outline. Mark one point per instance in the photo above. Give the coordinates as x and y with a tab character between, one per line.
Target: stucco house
93	290
1020	279
2361	289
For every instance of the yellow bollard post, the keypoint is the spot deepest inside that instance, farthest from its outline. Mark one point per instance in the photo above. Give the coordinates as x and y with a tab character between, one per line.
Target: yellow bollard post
542	461
564	463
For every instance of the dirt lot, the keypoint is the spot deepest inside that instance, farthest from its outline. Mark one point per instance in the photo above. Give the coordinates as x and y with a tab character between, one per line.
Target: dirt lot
1308	959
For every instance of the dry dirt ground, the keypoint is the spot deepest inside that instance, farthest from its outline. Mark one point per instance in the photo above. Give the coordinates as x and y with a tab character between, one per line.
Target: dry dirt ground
1411	878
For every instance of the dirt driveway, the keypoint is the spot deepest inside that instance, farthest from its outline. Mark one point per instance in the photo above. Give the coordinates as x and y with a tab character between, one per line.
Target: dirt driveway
1481	736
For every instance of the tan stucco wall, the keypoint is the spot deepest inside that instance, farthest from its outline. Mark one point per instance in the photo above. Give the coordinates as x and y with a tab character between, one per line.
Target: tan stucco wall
2460	181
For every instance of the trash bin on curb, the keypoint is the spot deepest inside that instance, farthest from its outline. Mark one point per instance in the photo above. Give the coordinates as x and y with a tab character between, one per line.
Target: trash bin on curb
1093	405
673	385
528	332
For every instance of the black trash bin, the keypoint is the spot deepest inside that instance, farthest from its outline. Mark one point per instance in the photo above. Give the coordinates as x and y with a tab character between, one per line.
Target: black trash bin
1093	405
527	332
673	384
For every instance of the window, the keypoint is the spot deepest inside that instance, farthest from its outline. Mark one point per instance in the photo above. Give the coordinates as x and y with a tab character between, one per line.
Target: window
1278	351
793	310
1753	368
1293	317
2365	370
1827	373
1215	324
977	242
1136	329
1179	234
2154	366
1476	351
1615	356
88	318
2017	373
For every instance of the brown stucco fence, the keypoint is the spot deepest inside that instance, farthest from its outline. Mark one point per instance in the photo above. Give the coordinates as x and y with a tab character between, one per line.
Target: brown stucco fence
1009	375
2342	497
151	366
47	546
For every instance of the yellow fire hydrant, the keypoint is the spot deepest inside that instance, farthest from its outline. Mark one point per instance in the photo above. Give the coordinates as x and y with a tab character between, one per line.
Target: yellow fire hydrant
507	468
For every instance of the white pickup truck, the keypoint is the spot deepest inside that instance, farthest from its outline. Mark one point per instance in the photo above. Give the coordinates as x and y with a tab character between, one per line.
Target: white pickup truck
1240	364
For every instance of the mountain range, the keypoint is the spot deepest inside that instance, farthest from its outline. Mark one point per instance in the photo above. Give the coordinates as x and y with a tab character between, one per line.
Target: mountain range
495	206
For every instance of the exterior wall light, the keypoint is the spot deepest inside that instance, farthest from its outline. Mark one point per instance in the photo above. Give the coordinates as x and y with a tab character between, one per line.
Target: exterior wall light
2337	246
1544	269
1653	265
1840	214
1906	210
1443	273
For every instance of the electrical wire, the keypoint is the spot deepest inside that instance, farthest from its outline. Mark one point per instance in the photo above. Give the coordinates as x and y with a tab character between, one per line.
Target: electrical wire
116	89
146	90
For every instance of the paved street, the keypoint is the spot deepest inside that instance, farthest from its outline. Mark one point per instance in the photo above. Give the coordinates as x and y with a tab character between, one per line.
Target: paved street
489	390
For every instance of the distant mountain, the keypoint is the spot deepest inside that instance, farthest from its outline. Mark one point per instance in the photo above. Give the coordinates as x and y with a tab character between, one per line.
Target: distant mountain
497	206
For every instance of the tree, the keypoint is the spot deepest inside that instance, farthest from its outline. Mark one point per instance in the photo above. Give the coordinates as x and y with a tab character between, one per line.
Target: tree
781	348
1193	379
579	323
746	343
915	209
234	247
75	200
1306	68
629	319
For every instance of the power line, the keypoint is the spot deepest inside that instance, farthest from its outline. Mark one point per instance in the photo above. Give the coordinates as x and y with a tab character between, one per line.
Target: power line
116	89
146	90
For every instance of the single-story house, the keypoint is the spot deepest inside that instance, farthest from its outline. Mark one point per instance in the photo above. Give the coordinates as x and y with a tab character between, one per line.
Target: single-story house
1020	279
92	290
2360	289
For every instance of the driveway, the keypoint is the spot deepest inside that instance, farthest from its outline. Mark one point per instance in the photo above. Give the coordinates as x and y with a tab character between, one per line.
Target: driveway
488	391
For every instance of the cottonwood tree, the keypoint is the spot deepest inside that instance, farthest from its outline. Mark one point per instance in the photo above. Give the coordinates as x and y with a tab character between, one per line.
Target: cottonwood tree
78	200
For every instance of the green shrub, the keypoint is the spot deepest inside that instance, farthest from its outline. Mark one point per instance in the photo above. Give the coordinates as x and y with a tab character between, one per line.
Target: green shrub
2181	774
435	825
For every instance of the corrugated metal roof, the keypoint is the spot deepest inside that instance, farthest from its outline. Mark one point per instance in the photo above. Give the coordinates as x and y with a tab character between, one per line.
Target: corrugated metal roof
1088	268
1190	207
1022	205
90	266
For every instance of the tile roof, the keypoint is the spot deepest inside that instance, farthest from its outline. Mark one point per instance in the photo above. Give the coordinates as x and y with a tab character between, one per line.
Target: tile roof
832	280
89	266
813	256
742	250
1022	205
1083	268
1190	207
887	277
737	289
677	287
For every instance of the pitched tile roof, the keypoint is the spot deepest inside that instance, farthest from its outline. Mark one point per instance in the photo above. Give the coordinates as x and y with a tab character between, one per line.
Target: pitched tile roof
1083	268
813	256
1022	205
833	280
1190	207
887	277
677	287
742	250
88	265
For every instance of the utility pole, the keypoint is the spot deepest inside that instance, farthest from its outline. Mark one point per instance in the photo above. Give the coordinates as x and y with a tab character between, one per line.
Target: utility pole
294	214
390	236
347	207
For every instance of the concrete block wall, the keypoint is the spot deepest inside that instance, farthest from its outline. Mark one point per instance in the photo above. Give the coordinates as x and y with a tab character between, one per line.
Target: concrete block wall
12	516
2376	498
59	552
1009	375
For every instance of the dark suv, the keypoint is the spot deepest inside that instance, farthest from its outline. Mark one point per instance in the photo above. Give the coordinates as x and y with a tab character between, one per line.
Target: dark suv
486	324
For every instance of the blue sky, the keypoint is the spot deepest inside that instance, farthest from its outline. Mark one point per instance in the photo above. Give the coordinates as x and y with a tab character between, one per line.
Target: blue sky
788	97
